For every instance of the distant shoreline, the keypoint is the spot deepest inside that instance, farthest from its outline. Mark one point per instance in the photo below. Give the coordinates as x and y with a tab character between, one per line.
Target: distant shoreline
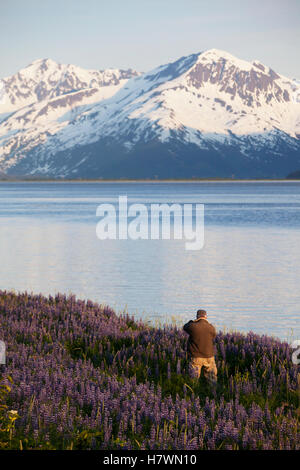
171	180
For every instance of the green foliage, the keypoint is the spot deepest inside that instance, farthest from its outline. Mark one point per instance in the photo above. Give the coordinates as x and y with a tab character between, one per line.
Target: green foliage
7	417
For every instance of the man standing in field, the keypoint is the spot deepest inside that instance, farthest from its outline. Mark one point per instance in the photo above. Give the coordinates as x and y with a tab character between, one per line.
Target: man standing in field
201	346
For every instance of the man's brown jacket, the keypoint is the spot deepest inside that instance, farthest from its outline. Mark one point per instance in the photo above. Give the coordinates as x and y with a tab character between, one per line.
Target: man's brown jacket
201	338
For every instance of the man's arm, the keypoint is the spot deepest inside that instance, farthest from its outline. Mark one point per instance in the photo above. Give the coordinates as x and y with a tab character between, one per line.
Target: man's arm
187	326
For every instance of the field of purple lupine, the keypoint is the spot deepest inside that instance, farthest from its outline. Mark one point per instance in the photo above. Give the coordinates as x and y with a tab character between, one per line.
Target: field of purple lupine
78	376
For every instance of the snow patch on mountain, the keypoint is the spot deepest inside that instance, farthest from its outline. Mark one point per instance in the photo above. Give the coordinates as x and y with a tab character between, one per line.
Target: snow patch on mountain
211	99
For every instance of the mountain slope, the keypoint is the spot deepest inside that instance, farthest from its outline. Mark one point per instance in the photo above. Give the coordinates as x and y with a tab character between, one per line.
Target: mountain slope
208	114
45	79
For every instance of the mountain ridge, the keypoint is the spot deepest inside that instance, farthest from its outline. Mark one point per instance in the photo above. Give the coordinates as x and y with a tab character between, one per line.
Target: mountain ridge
216	113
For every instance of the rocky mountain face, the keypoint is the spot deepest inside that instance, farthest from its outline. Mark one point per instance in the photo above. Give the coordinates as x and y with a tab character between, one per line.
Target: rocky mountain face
205	115
45	79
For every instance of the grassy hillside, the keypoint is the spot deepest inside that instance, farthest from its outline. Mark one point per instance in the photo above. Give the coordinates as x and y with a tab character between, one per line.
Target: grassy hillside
85	378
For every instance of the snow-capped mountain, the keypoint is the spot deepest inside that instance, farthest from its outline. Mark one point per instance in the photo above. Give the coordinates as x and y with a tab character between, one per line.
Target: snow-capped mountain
208	114
45	79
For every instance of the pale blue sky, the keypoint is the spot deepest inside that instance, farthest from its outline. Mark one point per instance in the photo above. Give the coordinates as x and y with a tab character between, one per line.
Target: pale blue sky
142	34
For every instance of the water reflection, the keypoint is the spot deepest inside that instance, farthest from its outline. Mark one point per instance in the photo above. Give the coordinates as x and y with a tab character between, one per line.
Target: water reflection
246	276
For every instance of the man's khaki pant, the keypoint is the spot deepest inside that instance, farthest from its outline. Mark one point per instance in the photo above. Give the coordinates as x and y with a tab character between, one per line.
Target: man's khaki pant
209	366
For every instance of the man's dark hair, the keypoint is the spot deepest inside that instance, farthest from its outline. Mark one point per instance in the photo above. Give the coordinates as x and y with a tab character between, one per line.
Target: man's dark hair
201	313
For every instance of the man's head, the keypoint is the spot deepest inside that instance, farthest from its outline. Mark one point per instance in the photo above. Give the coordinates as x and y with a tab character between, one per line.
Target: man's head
201	314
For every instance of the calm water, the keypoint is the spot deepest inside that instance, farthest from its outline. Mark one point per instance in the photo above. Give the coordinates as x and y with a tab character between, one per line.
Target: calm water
247	276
